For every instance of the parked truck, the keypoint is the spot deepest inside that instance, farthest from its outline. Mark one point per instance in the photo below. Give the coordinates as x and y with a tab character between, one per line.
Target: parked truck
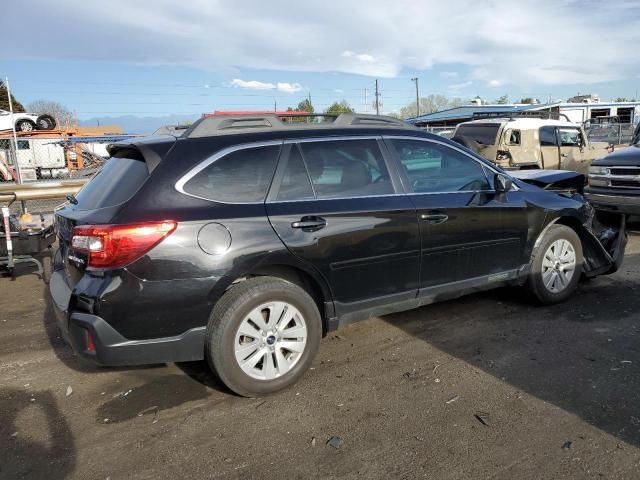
531	142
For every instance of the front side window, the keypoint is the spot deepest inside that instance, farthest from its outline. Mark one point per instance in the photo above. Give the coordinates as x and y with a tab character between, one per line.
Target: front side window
570	137
346	168
548	137
242	176
436	168
23	145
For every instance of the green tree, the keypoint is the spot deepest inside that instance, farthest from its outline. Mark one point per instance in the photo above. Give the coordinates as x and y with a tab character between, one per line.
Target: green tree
305	106
503	100
529	100
4	100
339	107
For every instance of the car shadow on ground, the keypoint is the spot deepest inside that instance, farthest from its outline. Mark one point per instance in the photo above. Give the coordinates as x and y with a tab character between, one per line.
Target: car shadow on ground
582	355
35	438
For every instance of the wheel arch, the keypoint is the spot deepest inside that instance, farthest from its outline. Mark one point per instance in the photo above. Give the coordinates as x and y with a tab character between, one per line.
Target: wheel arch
308	280
596	260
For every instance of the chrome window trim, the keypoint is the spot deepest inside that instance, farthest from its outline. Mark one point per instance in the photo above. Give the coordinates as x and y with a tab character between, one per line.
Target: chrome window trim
179	185
453	147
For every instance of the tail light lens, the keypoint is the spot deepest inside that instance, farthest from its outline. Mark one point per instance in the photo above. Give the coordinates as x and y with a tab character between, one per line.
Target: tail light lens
114	246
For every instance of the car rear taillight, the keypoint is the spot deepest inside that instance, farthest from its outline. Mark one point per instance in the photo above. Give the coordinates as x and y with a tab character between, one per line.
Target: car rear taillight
114	246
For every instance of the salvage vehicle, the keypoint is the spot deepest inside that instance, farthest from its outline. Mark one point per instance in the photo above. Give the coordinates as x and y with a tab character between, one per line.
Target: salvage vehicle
245	239
524	141
26	122
614	181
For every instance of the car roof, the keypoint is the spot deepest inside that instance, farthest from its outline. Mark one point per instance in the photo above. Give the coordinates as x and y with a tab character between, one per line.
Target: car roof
522	123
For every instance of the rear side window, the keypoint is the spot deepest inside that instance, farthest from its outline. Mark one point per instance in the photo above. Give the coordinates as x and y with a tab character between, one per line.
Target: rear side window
483	133
346	168
548	137
242	176
114	184
295	181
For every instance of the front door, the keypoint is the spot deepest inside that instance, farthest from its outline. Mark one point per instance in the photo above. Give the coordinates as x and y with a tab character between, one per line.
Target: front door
335	206
572	149
468	231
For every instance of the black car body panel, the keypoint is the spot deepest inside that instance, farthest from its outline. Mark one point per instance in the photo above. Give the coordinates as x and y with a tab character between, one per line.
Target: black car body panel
373	254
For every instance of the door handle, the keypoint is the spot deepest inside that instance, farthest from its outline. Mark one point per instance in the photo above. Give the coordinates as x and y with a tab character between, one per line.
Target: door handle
310	223
434	218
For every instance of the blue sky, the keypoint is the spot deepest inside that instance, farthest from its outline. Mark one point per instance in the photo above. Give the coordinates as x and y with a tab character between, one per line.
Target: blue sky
114	58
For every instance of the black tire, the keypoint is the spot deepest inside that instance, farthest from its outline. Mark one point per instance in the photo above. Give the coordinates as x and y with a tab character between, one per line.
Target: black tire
45	122
25	126
535	283
227	317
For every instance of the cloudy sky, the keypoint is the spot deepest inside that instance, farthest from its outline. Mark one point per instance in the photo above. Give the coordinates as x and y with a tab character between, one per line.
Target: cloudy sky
151	57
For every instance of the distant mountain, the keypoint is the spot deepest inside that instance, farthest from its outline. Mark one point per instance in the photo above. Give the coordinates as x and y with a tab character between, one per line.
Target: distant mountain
133	124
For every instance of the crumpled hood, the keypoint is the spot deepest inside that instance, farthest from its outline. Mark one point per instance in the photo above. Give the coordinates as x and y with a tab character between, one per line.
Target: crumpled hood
552	179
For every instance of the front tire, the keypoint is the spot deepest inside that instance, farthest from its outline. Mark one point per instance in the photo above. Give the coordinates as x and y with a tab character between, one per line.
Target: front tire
263	335
556	266
25	126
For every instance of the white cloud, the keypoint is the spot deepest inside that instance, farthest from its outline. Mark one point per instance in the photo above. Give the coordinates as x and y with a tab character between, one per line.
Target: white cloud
449	74
289	87
526	43
495	83
256	85
252	84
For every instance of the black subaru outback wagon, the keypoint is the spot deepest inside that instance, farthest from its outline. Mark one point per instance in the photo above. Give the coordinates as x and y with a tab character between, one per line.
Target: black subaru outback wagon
245	239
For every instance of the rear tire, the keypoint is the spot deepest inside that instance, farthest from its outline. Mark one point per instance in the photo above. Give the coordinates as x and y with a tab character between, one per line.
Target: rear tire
45	122
556	266
263	335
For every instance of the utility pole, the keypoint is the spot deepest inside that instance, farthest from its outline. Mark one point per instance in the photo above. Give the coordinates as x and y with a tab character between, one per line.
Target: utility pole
377	99
366	107
415	80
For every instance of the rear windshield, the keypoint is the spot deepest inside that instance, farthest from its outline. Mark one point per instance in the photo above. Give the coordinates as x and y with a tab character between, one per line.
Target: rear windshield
484	133
114	184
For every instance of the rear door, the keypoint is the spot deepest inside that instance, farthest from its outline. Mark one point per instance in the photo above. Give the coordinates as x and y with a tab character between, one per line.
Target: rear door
335	205
549	147
468	231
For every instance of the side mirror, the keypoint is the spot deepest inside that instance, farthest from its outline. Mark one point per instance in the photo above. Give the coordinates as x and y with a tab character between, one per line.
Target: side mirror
503	183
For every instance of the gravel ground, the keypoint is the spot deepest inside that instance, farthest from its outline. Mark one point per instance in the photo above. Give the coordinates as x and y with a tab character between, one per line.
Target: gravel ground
482	387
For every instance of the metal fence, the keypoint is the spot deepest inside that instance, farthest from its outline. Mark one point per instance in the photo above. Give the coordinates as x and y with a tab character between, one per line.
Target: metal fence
613	133
42	159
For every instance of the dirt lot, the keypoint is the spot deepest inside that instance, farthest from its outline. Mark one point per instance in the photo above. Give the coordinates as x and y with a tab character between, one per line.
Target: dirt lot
556	387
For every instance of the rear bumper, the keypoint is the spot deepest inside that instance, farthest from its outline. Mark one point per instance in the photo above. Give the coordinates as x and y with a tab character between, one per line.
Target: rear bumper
111	348
614	203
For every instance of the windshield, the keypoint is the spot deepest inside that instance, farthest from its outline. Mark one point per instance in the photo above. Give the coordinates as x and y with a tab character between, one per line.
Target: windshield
484	133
